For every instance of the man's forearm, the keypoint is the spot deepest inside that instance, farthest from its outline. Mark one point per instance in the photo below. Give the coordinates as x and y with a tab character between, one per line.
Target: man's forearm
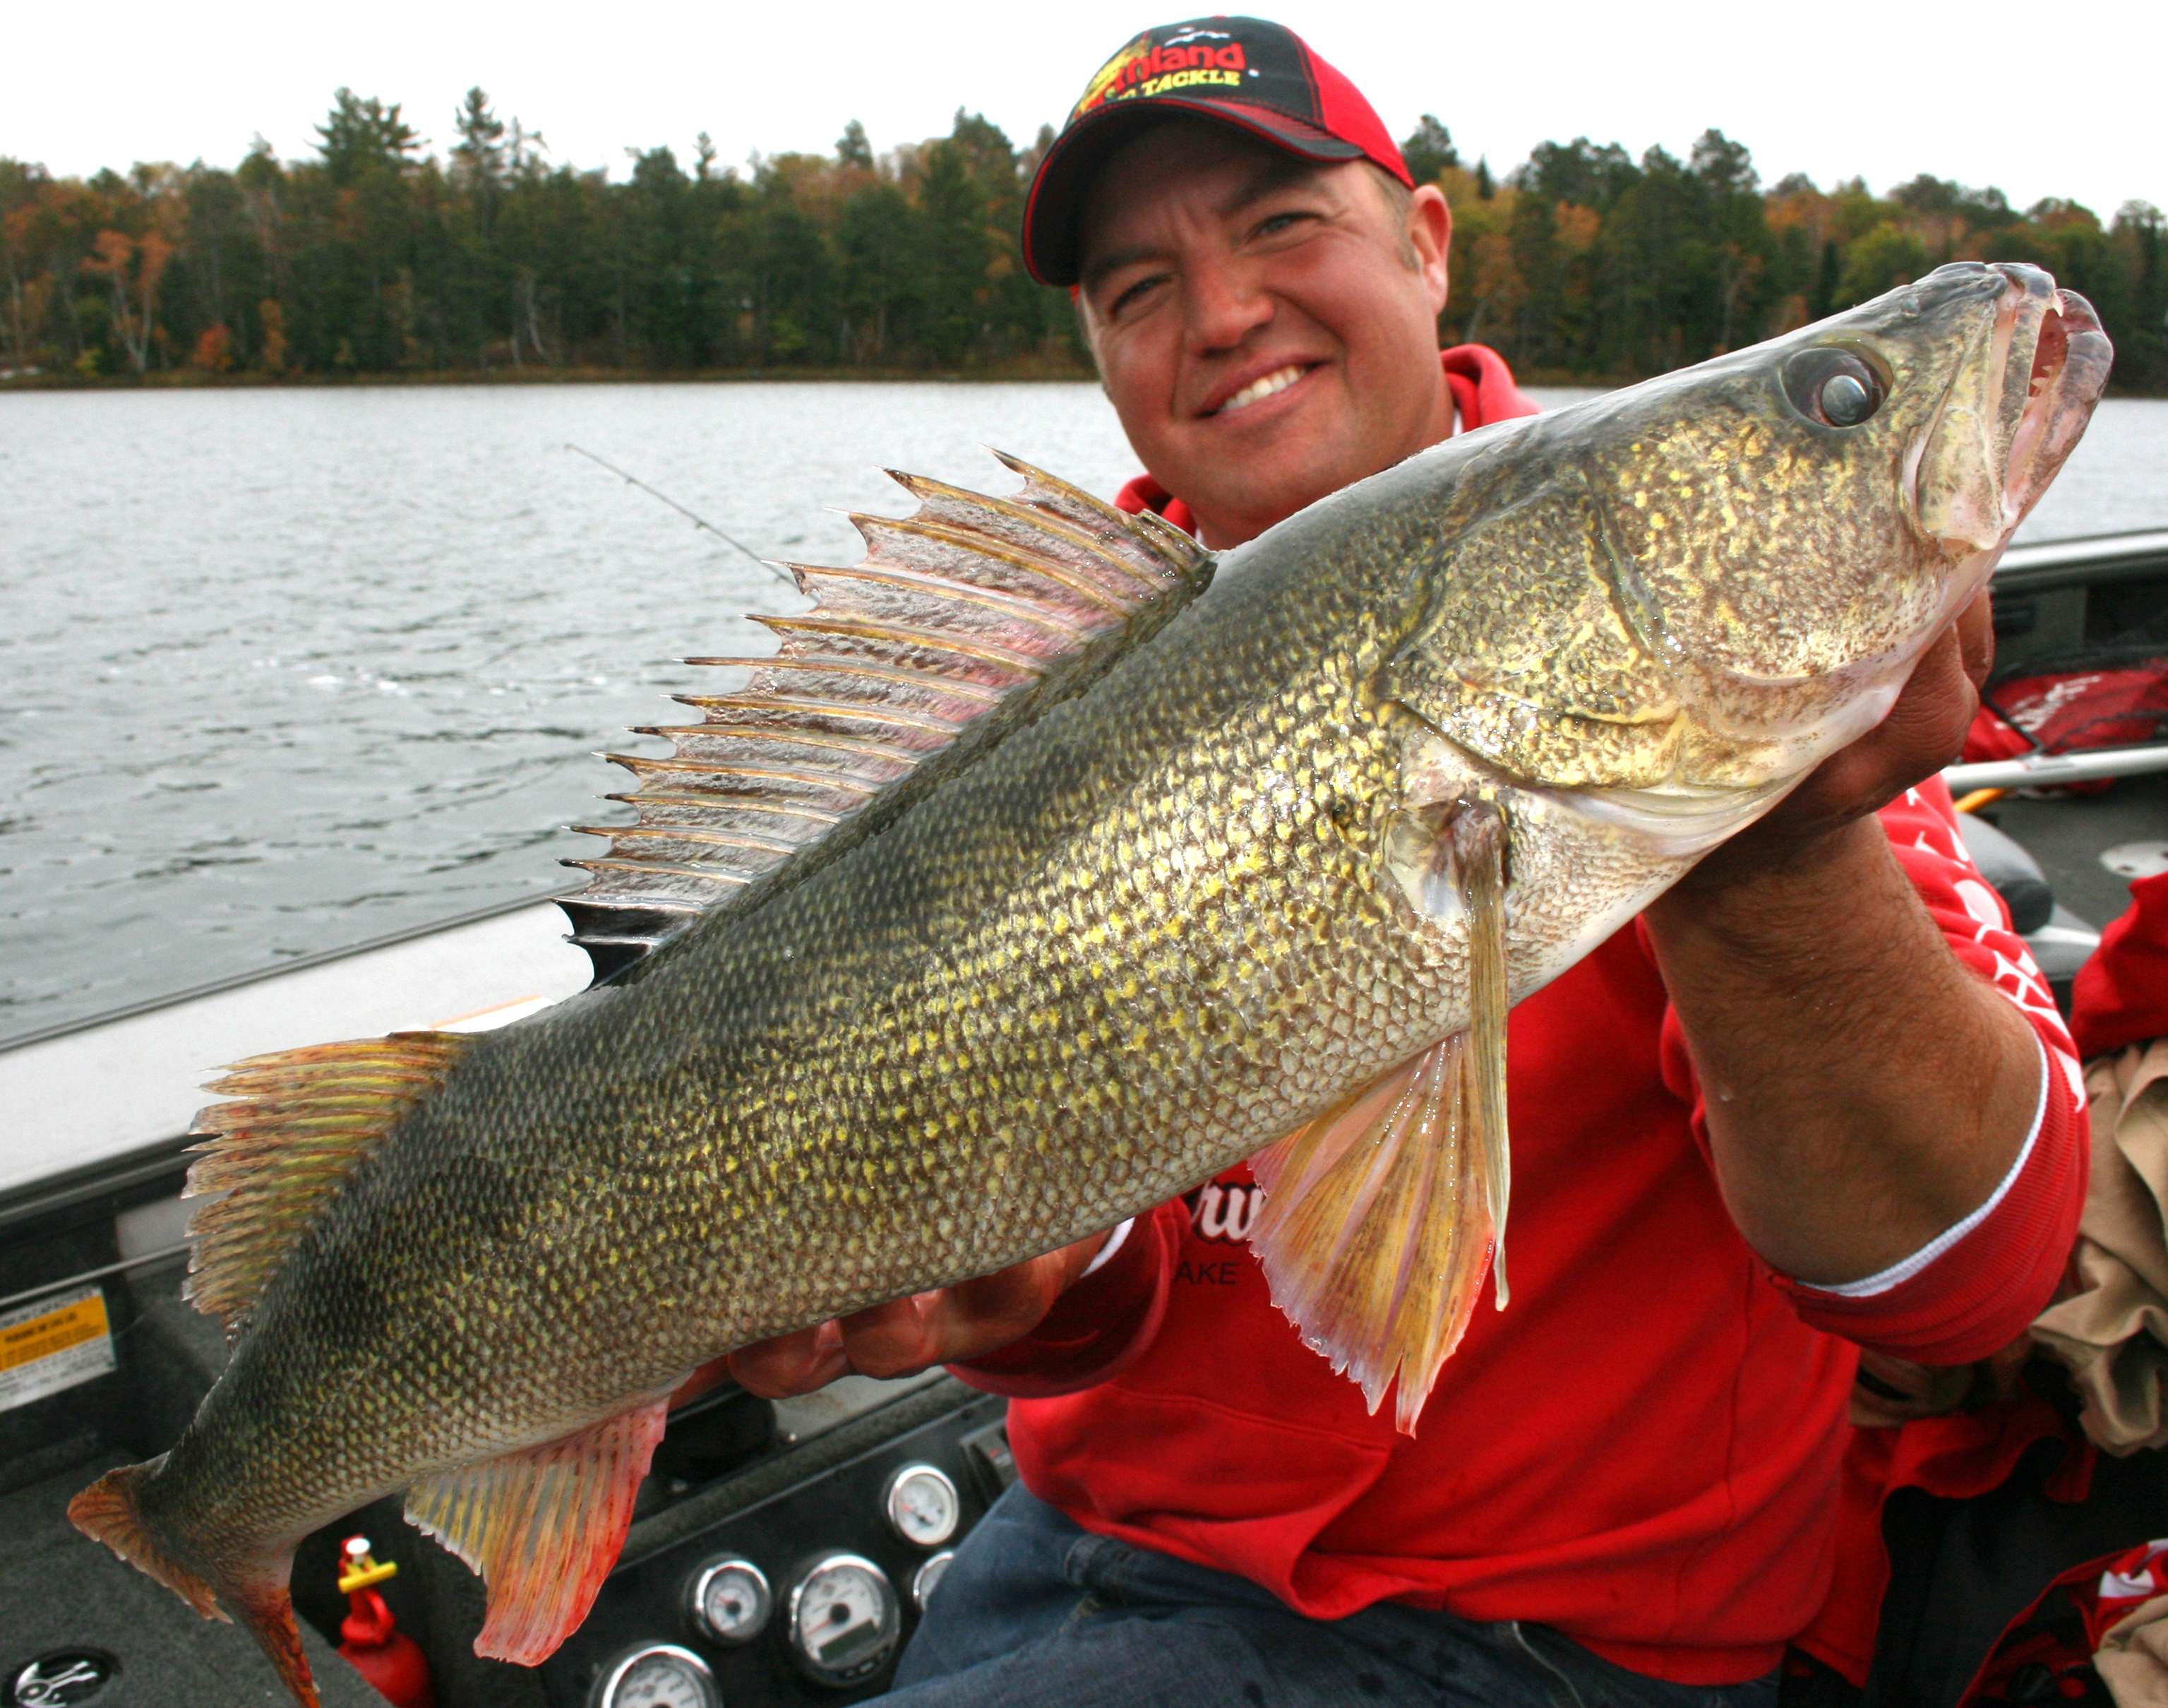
1864	1091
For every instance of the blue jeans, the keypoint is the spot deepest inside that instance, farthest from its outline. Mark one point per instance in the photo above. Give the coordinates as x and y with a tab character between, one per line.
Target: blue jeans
1036	1612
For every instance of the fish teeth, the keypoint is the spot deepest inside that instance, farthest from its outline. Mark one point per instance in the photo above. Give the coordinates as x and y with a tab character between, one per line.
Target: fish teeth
1258	389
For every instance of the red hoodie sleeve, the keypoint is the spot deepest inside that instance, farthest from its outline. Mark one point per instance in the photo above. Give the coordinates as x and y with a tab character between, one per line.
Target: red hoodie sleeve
1973	1289
1097	1328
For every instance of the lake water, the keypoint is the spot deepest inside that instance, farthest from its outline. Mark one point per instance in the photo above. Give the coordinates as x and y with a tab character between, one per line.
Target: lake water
282	671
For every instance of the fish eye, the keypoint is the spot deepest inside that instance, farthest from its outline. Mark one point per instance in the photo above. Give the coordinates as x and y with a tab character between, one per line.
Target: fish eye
1833	386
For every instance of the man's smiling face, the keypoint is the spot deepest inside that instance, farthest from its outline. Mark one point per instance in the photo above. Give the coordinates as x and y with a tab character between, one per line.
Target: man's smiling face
1266	326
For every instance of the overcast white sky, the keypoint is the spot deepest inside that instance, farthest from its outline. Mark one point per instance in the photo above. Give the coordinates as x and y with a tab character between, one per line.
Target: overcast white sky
2039	101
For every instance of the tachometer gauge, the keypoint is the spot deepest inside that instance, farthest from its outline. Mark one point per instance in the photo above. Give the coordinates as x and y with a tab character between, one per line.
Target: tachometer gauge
922	1506
730	1601
656	1675
844	1620
927	1578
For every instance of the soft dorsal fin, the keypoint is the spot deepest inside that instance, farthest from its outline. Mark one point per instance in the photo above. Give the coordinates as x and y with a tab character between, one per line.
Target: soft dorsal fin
298	1123
961	619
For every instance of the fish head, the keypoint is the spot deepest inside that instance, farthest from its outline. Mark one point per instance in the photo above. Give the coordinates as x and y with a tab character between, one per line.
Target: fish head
1789	527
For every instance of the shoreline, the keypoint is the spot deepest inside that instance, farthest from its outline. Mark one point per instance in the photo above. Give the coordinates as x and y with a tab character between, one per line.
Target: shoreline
1033	373
1011	373
195	380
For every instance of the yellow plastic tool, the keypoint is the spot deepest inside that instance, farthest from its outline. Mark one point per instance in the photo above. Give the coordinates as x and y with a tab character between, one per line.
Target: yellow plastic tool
361	1567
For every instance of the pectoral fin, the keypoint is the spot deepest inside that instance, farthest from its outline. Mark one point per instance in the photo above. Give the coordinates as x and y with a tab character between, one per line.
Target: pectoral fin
1381	1216
543	1527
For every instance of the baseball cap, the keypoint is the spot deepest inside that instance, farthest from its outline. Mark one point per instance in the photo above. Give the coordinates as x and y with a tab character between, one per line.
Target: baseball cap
1255	75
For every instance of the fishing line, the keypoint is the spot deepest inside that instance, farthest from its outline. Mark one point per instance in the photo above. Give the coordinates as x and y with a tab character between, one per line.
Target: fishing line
697	521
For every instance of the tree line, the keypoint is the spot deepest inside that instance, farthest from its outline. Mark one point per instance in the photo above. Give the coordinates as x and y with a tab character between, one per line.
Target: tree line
1586	261
374	256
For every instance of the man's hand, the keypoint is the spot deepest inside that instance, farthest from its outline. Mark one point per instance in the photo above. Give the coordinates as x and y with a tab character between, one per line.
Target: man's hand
904	1336
1925	730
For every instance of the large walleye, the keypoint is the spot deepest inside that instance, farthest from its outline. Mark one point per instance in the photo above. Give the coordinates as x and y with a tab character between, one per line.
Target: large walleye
1030	884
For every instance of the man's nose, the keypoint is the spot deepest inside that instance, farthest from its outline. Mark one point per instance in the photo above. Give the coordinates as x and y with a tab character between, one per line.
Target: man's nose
1224	302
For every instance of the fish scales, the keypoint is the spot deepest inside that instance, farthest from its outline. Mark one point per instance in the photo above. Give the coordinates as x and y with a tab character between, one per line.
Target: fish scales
724	1150
1273	876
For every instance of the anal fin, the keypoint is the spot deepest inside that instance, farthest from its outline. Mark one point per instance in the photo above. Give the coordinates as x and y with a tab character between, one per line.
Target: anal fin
1382	1215
543	1526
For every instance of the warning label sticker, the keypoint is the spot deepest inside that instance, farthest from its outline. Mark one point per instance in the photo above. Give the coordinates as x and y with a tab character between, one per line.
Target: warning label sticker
53	1344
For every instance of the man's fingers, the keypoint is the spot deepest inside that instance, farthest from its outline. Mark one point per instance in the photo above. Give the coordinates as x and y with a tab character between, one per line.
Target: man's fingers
1976	638
1924	732
1938	703
900	1338
791	1364
964	1322
905	1336
708	1375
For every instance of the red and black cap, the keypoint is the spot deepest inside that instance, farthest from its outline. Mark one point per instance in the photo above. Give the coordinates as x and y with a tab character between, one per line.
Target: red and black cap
1259	76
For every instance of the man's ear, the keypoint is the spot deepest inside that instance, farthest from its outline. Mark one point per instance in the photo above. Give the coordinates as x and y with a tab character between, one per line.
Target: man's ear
1430	234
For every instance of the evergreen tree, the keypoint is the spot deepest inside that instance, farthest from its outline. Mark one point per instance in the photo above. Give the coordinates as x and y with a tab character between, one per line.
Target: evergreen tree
478	156
852	148
1428	149
360	137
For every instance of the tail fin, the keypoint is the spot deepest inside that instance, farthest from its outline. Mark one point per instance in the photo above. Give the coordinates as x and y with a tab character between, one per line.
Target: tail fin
107	1512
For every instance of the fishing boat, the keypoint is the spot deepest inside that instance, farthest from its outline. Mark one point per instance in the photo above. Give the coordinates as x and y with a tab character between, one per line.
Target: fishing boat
780	1553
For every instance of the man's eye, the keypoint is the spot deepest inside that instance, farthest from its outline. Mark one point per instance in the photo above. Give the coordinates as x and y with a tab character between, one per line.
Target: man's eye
1134	294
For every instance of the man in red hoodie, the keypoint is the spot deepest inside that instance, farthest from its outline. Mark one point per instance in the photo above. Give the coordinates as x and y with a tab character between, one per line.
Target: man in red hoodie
1818	1096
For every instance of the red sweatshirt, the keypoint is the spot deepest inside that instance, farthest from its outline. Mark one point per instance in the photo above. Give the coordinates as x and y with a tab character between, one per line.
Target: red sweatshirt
1643	1450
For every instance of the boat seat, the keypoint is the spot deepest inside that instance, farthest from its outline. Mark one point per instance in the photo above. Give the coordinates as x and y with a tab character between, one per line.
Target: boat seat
2013	874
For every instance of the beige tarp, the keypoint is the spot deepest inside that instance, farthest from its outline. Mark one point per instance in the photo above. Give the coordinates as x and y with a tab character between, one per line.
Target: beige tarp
2112	1332
2132	1661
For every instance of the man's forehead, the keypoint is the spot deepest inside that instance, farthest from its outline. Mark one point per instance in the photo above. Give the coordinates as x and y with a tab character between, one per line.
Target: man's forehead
1181	157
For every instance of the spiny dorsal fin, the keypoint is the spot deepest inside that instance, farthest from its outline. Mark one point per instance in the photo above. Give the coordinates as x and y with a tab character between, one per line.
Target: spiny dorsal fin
543	1526
961	619
298	1122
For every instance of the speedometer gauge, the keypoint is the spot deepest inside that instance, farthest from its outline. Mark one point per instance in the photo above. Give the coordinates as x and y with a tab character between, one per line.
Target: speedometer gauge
922	1506
656	1675
844	1620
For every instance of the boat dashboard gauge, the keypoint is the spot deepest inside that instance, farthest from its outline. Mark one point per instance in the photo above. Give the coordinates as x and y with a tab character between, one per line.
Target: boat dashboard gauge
928	1577
655	1675
844	1620
730	1601
921	1505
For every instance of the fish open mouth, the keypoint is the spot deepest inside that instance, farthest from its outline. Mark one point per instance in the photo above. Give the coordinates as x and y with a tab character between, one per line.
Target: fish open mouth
2056	337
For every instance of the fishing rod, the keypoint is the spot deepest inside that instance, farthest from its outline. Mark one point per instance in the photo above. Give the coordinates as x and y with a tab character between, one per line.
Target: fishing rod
697	521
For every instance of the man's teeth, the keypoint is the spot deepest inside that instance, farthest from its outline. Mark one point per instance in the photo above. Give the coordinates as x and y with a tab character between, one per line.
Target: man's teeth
1258	389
